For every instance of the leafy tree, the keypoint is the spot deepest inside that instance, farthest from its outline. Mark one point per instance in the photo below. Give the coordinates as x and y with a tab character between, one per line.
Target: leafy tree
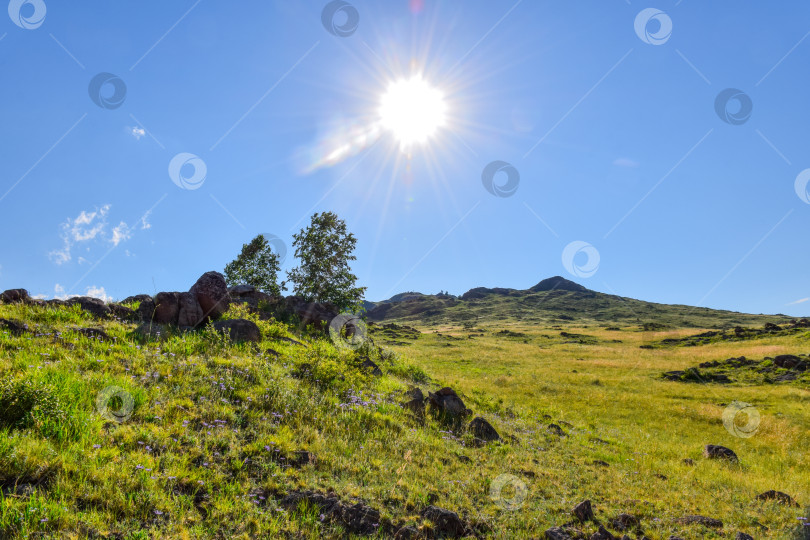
325	249
256	265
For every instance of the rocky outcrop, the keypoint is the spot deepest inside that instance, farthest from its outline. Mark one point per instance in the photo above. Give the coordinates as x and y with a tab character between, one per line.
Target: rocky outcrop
212	294
358	519
167	306
255	299
189	313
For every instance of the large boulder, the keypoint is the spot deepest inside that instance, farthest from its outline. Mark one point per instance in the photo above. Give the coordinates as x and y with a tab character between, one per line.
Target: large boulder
254	298
212	294
189	311
447	523
448	405
239	329
167	307
15	296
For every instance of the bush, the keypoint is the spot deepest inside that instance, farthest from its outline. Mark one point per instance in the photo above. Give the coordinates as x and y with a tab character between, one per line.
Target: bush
29	404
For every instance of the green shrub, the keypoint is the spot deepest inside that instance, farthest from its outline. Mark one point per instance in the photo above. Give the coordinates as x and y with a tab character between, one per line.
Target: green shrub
29	404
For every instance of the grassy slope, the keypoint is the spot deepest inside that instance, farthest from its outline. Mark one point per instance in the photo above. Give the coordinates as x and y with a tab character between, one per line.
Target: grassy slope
611	388
93	476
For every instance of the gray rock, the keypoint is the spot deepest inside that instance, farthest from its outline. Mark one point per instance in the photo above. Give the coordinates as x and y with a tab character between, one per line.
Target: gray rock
95	306
482	429
782	498
702	520
557	533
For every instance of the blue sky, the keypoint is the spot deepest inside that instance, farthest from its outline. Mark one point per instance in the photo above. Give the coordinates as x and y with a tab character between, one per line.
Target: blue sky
614	134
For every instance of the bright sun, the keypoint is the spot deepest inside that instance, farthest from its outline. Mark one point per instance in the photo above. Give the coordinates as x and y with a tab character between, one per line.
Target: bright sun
413	110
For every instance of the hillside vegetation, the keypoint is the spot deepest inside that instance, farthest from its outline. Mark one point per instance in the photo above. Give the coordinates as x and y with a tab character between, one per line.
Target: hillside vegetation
110	431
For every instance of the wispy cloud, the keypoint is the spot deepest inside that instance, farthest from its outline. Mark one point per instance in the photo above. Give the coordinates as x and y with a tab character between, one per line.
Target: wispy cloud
136	132
625	162
799	301
91	226
87	226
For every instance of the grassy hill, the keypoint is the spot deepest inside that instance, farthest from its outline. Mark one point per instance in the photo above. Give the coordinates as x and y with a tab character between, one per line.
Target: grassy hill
108	432
555	300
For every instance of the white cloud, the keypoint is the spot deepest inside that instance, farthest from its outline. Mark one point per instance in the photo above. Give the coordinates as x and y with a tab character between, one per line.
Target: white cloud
92	291
136	132
90	226
120	233
799	301
98	292
625	162
84	228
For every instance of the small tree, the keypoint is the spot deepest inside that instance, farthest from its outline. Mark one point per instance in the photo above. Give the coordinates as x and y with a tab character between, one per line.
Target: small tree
256	265
325	249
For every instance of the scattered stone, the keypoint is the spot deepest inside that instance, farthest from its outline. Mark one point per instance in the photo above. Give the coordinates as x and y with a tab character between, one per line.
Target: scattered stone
483	430
702	520
557	533
782	498
583	511
290	340
357	518
624	522
556	430
212	294
662	476
743	536
601	463
688	462
602	534
715	451
239	329
16	328
447	523
788	361
447	404
406	533
15	296
464	459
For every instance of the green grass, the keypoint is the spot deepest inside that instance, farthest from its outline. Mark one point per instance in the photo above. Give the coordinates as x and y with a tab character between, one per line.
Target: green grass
200	455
